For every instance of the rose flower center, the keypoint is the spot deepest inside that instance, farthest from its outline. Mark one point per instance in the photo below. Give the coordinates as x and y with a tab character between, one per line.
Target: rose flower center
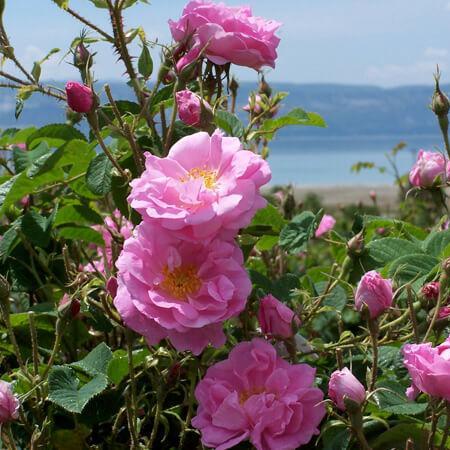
245	395
209	176
181	281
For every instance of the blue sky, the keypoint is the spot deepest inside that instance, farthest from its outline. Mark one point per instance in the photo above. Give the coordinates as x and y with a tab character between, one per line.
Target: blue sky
381	42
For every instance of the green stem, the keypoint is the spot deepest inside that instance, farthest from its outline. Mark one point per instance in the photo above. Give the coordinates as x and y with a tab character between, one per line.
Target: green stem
373	329
160	396
58	338
133	401
190	406
446	429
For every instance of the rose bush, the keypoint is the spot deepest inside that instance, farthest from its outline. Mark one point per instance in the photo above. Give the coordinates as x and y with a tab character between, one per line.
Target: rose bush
156	292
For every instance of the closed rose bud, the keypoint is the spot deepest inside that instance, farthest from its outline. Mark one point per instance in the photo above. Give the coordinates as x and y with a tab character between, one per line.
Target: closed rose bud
412	392
79	97
190	109
111	286
444	312
254	105
431	290
429	168
275	318
9	404
343	384
375	293
68	307
326	224
82	59
373	195
440	104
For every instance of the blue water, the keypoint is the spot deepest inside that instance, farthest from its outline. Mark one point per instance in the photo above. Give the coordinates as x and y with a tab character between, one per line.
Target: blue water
315	160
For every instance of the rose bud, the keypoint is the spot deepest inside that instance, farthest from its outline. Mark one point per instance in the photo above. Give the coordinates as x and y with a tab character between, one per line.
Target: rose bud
190	109
428	169
68	306
275	318
79	97
343	384
431	290
444	312
412	392
440	104
254	105
326	224
82	59
375	293
9	404
111	286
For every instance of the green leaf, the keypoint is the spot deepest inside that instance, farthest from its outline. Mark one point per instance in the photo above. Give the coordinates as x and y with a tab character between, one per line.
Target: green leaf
24	159
229	123
337	298
36	71
396	437
85	234
145	63
55	135
163	95
436	242
96	362
266	243
297	116
336	437
118	367
36	228
386	250
77	214
283	287
409	267
64	390
268	218
99	175
295	235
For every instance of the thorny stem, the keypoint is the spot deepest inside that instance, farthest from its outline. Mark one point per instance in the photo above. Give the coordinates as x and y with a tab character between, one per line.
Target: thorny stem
160	396
187	422
373	329
34	343
133	403
434	419
173	118
55	349
443	284
89	24
446	429
412	313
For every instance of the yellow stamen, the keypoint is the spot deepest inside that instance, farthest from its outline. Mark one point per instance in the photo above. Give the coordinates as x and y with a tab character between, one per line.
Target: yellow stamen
181	281
245	395
209	176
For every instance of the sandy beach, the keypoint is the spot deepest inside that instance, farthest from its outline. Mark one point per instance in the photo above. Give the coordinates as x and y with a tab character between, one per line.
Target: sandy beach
338	195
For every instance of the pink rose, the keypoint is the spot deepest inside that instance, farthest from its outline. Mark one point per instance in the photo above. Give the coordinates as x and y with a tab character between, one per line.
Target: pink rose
326	224
412	392
206	185
226	34
117	228
257	396
9	404
79	97
428	168
344	384
275	318
69	305
178	289
431	290
444	312
375	292
429	368
190	109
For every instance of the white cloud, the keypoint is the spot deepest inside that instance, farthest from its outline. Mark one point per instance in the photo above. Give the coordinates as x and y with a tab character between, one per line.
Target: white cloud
399	74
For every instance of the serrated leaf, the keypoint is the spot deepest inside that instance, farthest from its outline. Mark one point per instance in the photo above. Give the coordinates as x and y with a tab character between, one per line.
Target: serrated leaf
295	235
96	362
410	267
118	367
36	228
229	123
64	390
386	250
99	175
24	159
337	298
268	217
55	135
436	242
77	214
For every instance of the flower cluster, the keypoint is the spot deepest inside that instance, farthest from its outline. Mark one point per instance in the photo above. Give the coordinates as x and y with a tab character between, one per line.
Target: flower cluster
181	276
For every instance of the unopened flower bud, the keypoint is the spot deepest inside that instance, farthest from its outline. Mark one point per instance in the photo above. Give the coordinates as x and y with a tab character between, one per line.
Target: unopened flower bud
355	246
345	389
233	86
431	290
9	403
82	59
68	308
193	110
264	87
79	97
440	104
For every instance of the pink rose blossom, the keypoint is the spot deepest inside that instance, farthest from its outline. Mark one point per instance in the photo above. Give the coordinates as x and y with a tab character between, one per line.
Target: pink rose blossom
344	384
375	292
72	304
275	318
190	109
9	404
178	289
206	185
429	367
326	224
119	227
79	97
257	396
429	167
226	34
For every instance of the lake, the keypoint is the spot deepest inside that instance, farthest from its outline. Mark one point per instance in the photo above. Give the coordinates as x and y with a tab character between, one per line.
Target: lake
315	160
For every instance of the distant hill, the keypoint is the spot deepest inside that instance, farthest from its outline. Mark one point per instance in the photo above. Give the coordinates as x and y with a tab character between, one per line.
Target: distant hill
348	110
